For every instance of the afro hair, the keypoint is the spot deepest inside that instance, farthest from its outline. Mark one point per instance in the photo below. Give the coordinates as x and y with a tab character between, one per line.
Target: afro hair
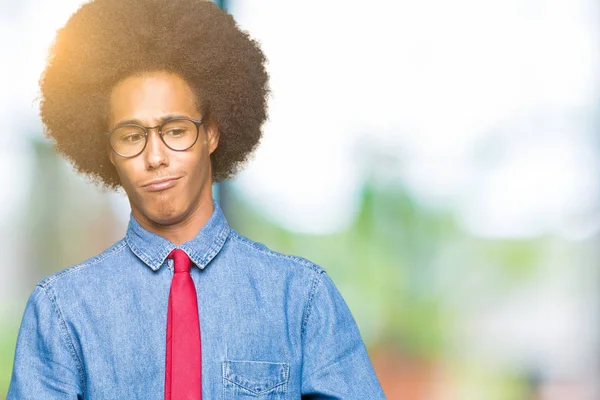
105	41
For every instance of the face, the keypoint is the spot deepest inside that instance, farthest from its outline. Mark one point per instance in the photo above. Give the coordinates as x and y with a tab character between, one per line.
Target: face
147	100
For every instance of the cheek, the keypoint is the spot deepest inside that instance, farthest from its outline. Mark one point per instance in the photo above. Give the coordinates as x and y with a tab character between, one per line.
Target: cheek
197	161
127	173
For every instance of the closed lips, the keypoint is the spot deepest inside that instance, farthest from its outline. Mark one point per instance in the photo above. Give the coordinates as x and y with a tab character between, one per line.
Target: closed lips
159	181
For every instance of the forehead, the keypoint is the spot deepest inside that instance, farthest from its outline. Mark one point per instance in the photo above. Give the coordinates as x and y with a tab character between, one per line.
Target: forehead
146	97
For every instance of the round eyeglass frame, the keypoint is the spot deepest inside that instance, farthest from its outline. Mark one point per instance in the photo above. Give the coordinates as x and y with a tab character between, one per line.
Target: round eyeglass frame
196	122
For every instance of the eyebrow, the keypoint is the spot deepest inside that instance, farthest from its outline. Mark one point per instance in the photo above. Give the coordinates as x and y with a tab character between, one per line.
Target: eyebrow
160	120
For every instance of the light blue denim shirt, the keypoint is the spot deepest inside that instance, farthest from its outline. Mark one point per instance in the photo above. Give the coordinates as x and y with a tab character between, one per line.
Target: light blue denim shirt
272	326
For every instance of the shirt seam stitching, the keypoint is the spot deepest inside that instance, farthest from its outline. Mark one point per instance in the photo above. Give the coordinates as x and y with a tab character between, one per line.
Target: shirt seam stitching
118	247
140	253
66	336
316	281
269	389
216	246
205	259
312	266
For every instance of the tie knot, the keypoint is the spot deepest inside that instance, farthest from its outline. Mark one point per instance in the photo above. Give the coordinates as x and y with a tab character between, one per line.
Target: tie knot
181	260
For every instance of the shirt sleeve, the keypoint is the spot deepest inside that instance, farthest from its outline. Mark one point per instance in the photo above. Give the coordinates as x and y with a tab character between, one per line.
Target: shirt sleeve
45	365
335	360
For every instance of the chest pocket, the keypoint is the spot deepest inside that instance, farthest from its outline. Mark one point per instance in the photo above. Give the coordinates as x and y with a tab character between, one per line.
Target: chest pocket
254	380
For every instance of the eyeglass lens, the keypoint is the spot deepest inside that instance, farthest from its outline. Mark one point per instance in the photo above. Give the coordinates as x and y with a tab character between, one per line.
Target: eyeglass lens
130	140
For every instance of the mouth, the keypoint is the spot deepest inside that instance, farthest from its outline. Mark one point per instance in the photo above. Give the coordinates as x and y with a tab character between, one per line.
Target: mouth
160	184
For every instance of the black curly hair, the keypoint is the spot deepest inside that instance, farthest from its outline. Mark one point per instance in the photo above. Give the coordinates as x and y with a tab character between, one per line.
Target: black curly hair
106	41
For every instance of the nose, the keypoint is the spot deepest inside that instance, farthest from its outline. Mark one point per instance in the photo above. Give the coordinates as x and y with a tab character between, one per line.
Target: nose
156	152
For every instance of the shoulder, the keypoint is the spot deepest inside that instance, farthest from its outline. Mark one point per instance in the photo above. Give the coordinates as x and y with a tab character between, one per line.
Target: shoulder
260	251
83	268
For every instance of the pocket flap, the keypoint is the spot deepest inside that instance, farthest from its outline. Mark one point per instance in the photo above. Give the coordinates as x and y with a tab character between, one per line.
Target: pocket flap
256	376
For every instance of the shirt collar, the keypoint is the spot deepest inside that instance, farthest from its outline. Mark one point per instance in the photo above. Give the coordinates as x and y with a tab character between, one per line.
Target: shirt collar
153	249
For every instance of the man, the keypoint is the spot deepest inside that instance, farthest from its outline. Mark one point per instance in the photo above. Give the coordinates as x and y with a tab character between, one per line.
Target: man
163	98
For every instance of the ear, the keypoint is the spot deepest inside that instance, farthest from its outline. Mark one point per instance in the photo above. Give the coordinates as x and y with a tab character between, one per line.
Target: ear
213	137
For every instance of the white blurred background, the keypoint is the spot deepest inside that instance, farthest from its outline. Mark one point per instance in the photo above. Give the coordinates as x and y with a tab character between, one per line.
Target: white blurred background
453	144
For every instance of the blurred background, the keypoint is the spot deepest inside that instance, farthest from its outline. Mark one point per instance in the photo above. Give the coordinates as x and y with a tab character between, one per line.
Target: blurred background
439	159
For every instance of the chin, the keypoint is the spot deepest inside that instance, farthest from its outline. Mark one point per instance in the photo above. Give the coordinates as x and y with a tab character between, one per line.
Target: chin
167	217
163	214
160	206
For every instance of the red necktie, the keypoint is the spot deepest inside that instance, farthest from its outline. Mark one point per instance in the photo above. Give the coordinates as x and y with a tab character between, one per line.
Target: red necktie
183	370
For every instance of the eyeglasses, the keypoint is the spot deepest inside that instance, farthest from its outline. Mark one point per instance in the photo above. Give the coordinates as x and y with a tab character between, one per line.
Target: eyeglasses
179	134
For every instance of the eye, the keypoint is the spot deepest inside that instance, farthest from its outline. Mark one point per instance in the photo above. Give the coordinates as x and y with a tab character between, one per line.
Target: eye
133	138
178	129
175	132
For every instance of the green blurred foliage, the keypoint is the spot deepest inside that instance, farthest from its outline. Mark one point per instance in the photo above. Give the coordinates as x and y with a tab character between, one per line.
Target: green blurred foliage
8	338
399	265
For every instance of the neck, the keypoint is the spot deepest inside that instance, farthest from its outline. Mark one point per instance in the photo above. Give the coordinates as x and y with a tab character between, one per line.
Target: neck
183	229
